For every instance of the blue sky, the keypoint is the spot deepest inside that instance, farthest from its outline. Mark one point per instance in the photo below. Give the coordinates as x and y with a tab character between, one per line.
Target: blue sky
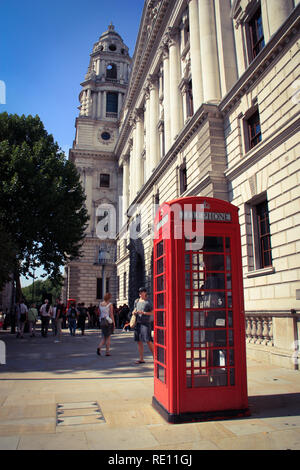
44	54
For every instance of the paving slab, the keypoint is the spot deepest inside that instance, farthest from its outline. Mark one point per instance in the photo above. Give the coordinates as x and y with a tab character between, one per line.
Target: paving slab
41	377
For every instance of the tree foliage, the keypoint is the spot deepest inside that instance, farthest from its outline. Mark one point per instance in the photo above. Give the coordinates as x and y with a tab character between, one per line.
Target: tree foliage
42	210
39	290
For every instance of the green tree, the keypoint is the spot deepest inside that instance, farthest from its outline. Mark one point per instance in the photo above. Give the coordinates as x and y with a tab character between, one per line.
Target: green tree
42	209
39	289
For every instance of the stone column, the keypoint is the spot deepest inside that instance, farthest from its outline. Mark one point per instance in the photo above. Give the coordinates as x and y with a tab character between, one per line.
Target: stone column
154	115
209	52
99	104
195	54
131	172
139	146
125	188
147	128
103	107
176	119
166	103
89	103
277	13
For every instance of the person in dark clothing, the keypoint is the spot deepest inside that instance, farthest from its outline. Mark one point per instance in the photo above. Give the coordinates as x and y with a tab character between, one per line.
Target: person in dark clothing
83	314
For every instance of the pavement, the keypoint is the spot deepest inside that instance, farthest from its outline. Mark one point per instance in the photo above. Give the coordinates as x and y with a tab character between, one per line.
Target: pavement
62	396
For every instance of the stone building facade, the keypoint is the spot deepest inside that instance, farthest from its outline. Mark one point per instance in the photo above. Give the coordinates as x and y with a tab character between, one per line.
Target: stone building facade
212	109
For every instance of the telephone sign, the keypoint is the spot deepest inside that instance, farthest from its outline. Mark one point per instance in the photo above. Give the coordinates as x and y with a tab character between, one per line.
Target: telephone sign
199	328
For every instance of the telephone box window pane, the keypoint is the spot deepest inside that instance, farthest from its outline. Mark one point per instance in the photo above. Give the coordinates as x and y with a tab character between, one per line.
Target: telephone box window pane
197	261
231	357
229	299
160	318
160	266
187	280
187	261
160	301
214	281
161	373
214	262
217	339
188	339
227	244
228	263
228	281
161	337
232	376
213	244
230	319
160	249
160	354
188	319
189	379
198	280
160	283
230	337
215	319
187	300
214	299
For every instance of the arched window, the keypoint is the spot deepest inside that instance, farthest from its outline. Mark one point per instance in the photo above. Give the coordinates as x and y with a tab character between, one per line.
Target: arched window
111	71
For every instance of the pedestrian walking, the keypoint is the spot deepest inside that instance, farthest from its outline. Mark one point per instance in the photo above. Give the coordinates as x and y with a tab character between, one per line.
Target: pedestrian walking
83	314
45	312
32	319
60	315
53	320
72	318
21	311
142	331
107	323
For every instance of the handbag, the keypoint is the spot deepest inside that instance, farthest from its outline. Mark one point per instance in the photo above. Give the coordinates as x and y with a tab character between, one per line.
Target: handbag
132	322
104	323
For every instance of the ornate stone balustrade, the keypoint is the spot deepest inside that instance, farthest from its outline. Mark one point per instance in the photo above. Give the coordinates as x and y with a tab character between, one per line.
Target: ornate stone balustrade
259	329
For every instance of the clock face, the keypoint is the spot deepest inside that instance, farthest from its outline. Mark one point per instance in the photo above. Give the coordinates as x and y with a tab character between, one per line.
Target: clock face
105	136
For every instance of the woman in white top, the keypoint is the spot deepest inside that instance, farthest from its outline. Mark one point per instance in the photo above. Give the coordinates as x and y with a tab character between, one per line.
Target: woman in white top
106	312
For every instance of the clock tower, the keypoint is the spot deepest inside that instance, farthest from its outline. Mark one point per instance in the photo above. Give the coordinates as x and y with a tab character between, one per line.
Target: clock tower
101	98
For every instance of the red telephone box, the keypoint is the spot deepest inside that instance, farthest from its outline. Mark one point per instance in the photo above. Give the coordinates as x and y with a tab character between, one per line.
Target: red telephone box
199	327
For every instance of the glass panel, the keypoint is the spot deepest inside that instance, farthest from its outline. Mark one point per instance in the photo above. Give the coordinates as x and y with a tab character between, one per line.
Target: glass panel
227	244
229	299
198	280
189	379
215	319
231	357
160	354
230	338
214	281
160	318
214	244
216	338
214	262
197	261
160	300
187	261
188	339
160	249
232	376
228	263
160	283
212	299
230	319
187	280
160	266
161	337
187	300
188	353
188	319
228	281
161	373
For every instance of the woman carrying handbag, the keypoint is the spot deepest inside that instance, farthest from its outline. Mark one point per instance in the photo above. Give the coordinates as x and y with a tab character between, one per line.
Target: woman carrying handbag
107	323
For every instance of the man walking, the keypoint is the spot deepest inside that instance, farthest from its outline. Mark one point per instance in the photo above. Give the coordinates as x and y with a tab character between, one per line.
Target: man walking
142	331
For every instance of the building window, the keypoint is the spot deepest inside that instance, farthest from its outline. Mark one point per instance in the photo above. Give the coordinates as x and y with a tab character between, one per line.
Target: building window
183	179
258	233
104	180
190	103
111	71
255	35
253	130
112	103
99	288
264	255
124	285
